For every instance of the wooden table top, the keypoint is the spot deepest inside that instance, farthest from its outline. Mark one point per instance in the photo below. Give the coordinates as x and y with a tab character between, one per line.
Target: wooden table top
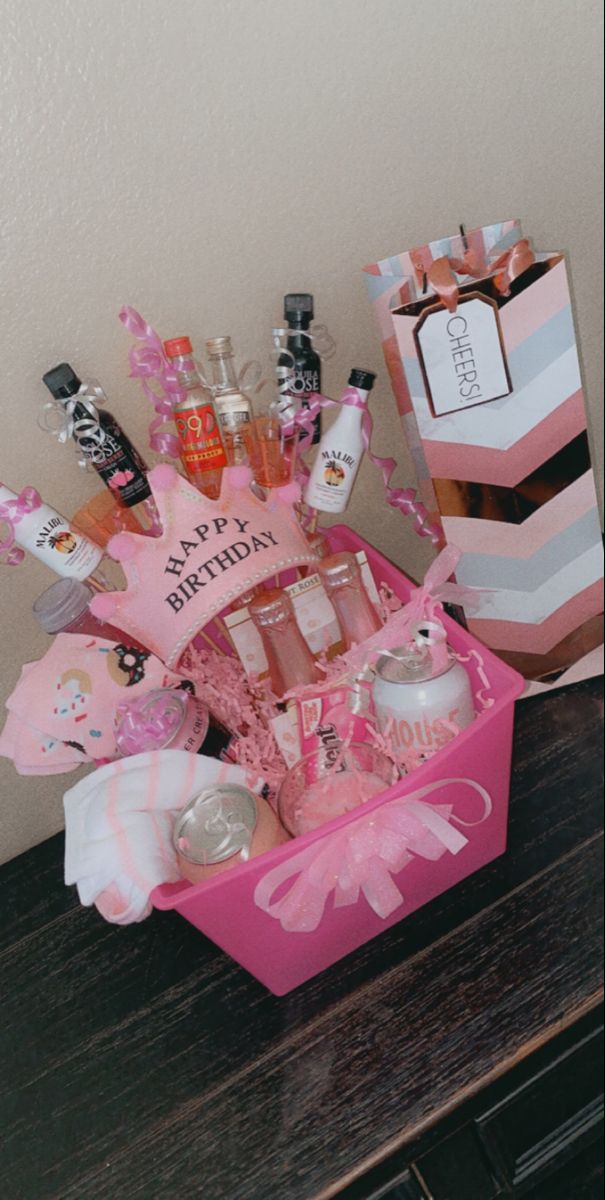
141	1062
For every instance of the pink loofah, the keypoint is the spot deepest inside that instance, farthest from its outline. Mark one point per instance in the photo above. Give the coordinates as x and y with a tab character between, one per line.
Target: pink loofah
122	547
103	606
163	477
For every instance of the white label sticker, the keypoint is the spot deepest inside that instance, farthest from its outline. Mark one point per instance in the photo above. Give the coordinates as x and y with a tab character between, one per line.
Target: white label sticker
462	355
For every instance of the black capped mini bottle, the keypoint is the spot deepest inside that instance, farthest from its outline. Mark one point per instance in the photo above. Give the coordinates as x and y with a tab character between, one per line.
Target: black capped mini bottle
306	372
105	446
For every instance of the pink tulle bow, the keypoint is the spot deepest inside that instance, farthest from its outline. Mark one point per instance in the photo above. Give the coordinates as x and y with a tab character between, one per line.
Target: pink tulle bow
405	499
148	363
11	512
364	856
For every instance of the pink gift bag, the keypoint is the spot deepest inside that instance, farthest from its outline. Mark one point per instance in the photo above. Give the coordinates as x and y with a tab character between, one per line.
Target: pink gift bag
479	341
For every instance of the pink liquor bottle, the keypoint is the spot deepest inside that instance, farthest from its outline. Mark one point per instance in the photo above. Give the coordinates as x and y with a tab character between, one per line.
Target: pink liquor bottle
288	656
357	617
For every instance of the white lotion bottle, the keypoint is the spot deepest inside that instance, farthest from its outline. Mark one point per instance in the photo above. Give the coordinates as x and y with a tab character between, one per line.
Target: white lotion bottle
340	452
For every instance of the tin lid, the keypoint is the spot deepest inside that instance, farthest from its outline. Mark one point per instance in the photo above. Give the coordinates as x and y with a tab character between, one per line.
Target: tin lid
219	346
217	824
61	604
338	570
407	664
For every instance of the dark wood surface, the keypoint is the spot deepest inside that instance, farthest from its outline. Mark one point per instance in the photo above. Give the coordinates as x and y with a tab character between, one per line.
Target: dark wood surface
141	1062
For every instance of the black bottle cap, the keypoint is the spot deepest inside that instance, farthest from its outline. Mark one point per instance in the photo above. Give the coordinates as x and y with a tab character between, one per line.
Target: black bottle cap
62	381
361	379
298	308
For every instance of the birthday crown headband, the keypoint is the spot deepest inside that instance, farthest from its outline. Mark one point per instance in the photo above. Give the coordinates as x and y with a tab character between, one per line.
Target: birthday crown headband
210	553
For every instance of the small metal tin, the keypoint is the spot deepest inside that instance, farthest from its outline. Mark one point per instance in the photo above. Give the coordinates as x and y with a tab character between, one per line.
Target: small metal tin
216	825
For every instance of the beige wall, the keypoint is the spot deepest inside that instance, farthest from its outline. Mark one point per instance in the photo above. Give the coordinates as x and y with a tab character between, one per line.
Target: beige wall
197	158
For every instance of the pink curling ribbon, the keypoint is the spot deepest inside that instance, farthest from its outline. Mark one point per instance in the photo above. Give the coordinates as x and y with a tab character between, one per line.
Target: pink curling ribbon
503	268
363	856
149	722
402	498
148	363
11	512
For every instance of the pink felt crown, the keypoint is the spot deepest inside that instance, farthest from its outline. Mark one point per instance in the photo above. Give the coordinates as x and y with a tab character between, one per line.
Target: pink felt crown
210	553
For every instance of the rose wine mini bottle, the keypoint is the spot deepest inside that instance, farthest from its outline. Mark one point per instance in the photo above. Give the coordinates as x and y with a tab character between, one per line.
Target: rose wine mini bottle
289	658
357	617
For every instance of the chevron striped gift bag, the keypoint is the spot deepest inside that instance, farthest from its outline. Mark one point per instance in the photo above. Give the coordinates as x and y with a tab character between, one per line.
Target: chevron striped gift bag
509	478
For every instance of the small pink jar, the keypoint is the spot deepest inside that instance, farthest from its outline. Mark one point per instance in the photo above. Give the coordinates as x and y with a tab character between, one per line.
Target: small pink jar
222	827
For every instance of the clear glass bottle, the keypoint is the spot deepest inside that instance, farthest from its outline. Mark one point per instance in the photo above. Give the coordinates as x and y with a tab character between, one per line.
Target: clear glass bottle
202	448
171	719
233	406
289	659
357	617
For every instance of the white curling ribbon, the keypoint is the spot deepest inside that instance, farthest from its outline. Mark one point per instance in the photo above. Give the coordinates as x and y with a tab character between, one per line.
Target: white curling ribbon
57	418
364	856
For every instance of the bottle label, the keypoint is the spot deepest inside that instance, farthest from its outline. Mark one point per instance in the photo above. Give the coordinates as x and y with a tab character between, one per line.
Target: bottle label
303	383
462	355
113	456
331	480
233	418
202	445
57	545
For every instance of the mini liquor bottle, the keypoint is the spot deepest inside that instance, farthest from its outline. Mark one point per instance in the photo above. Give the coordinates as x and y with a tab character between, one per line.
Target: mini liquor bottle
202	449
289	659
51	538
357	617
340	451
233	406
106	447
305	377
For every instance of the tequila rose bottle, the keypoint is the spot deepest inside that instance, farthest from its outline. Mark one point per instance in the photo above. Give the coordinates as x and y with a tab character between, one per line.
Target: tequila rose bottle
202	449
106	447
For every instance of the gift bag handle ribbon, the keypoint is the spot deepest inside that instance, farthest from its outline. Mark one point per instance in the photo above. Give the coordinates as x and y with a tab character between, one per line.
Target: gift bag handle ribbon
503	268
364	856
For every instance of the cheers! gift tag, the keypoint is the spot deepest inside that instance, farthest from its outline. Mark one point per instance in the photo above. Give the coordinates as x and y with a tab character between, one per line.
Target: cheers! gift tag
462	354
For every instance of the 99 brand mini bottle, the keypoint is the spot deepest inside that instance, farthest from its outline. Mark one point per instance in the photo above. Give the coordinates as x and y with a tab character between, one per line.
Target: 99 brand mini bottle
202	449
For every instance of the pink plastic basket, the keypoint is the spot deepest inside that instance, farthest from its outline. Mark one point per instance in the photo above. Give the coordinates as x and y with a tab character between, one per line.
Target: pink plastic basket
224	909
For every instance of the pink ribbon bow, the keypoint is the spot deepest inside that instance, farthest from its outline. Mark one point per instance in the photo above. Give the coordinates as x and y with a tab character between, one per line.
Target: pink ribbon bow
11	512
149	363
503	268
363	857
